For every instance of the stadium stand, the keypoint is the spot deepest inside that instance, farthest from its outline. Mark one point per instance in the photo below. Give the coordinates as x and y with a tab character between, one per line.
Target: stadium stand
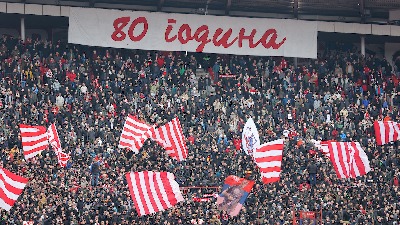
88	92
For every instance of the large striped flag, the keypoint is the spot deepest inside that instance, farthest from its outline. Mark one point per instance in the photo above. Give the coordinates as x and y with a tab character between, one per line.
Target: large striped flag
153	191
56	144
348	158
34	140
234	194
170	136
268	158
386	132
11	187
134	134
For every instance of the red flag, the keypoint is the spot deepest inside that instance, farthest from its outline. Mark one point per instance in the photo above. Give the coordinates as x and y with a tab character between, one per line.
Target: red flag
134	134
170	136
268	158
56	144
386	132
34	140
348	158
153	191
12	186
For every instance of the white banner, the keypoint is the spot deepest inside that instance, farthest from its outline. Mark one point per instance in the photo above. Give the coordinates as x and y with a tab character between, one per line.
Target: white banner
188	32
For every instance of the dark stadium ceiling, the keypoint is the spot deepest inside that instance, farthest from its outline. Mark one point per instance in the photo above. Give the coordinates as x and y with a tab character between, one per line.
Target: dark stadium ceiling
373	11
339	8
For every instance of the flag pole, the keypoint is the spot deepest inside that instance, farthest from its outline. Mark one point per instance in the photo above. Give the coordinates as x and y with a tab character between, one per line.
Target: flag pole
294	216
321	214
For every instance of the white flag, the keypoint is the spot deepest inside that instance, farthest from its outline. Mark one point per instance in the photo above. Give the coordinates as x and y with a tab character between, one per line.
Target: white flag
250	137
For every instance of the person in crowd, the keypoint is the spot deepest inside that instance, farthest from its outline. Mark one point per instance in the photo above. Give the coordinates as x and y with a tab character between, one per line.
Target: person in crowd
95	171
312	172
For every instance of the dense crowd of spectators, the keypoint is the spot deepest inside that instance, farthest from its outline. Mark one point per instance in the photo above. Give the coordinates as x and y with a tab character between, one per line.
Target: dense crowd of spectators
88	92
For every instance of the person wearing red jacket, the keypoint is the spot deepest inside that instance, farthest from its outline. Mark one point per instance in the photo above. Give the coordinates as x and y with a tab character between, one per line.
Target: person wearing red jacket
71	76
237	142
191	139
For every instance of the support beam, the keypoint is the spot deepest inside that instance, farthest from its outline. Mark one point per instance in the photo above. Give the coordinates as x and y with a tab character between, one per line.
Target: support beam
296	9
228	7
23	28
363	45
160	5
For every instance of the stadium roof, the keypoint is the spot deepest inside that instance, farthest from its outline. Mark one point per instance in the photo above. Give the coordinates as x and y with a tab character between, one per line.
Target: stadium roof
374	11
380	8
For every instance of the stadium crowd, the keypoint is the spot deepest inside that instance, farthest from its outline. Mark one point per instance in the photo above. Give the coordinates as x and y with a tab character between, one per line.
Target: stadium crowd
89	91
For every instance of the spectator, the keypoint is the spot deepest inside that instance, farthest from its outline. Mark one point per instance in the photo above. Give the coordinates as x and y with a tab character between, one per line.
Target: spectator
95	171
59	101
312	171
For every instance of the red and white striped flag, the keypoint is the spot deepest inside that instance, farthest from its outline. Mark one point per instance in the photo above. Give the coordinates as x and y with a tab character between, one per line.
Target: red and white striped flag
56	144
386	132
134	134
34	140
54	140
348	159
268	158
322	146
170	136
63	158
153	191
11	187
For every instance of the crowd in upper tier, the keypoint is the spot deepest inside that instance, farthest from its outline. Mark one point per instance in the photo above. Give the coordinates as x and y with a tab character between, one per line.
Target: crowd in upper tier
89	91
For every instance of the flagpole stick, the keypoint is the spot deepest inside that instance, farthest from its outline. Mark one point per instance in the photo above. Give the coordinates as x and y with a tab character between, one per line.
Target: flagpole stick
321	214
373	219
294	216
